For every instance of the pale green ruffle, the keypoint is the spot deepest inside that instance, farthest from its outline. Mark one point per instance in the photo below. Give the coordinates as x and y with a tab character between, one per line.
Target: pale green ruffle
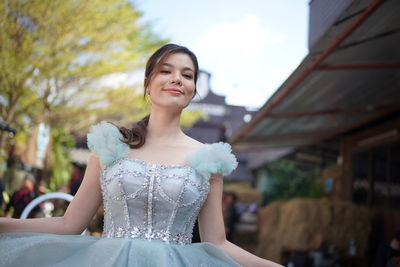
105	139
213	158
31	249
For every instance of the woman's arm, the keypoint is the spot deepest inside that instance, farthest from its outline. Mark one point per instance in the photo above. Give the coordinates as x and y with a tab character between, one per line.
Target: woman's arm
212	229
79	212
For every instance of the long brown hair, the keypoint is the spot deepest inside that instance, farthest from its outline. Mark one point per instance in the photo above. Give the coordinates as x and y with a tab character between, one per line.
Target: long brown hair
136	136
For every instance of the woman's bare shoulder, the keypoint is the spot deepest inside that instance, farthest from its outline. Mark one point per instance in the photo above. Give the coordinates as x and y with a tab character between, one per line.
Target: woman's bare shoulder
193	144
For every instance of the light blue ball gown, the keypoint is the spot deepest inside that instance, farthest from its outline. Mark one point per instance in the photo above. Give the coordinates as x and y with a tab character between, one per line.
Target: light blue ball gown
150	210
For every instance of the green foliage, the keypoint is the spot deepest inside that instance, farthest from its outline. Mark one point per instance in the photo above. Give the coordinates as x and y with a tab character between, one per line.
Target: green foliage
285	181
53	55
62	143
52	52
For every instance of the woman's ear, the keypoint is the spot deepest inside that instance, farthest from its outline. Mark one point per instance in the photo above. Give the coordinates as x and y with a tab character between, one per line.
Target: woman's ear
146	86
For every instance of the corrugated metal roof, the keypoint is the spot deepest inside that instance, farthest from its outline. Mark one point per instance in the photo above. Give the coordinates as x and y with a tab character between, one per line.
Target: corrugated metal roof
323	13
357	83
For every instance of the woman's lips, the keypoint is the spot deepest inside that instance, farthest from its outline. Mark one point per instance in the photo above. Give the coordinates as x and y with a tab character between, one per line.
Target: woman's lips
174	91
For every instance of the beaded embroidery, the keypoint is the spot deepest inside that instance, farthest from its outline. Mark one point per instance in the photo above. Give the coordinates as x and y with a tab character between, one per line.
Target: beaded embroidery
156	199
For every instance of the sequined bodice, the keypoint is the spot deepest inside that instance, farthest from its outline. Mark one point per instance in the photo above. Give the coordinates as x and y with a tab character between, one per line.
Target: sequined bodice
151	201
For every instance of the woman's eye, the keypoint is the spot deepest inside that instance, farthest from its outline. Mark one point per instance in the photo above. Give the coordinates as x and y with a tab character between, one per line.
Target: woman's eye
188	76
164	71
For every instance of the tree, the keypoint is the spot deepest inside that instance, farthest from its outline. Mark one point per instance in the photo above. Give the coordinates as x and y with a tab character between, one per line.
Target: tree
51	52
286	181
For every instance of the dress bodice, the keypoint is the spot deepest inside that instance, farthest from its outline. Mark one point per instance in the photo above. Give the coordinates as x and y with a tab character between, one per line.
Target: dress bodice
150	201
153	201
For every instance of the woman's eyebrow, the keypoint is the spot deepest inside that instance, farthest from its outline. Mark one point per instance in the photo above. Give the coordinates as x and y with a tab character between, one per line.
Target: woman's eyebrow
170	65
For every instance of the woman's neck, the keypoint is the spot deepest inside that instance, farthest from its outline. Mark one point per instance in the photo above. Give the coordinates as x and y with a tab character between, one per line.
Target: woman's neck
164	126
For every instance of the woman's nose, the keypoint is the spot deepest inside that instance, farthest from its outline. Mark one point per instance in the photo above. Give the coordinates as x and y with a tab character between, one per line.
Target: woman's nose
176	79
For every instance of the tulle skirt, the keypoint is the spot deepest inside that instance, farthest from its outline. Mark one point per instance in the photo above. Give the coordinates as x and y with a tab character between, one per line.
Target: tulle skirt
33	249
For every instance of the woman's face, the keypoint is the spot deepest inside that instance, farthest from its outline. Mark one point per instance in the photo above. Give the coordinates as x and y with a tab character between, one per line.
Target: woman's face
173	83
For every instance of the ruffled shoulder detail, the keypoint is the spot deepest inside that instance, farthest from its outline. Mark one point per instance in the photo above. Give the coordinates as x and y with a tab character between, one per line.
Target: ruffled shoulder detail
105	138
213	158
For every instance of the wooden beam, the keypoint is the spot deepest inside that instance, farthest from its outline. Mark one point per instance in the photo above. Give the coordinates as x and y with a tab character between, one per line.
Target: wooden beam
359	66
334	111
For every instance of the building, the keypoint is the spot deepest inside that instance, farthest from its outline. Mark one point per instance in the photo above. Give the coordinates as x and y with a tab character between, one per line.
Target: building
339	111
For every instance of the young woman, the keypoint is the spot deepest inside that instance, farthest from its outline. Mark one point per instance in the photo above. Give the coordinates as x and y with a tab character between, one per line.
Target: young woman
154	182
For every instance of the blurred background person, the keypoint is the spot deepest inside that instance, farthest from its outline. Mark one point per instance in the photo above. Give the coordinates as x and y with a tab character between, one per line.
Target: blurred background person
21	198
231	214
389	254
76	178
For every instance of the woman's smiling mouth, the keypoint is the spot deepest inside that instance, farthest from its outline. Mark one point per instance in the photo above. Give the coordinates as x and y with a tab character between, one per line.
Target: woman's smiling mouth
174	91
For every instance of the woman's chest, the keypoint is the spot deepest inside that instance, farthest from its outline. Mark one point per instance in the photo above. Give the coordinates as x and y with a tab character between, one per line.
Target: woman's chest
166	155
141	181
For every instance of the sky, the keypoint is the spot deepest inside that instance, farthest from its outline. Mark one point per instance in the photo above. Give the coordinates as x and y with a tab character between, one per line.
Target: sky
249	47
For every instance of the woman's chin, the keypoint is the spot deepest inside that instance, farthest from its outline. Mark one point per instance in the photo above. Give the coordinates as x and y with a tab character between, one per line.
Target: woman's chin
173	105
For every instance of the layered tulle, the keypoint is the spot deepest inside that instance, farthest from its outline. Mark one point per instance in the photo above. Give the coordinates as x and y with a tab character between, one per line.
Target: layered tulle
31	249
213	158
105	139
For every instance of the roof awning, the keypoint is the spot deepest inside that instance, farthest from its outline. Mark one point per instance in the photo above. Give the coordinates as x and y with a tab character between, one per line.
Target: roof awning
350	78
